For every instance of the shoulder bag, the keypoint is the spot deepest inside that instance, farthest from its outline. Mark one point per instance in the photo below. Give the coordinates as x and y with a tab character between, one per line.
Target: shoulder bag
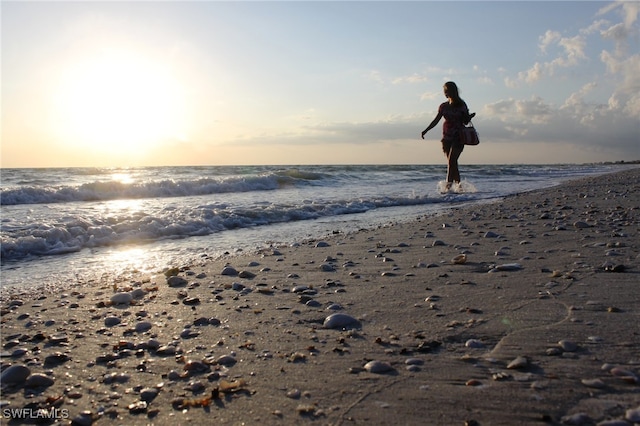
469	135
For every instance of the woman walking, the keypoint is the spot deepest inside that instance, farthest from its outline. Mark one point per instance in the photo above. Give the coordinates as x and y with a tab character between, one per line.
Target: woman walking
456	115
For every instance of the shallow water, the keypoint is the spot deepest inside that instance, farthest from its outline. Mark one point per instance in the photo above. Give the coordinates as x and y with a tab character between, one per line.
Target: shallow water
64	226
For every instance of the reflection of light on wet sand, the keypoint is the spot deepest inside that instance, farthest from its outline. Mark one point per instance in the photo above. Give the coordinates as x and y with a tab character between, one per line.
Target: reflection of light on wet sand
130	261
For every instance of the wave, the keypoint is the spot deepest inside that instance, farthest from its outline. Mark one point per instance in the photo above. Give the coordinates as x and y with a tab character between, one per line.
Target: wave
78	232
115	190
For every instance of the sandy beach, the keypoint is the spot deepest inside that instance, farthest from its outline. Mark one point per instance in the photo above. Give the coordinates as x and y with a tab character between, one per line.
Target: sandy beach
524	311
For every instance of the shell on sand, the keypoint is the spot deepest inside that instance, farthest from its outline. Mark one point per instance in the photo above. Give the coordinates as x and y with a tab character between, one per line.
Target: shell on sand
459	259
340	320
378	367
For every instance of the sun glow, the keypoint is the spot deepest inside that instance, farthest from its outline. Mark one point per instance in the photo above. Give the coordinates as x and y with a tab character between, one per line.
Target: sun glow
119	104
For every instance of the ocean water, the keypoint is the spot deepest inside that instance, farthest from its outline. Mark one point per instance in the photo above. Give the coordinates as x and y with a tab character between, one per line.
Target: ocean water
64	226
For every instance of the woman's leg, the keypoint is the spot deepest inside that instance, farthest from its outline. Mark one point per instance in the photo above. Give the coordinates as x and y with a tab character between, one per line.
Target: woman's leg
453	173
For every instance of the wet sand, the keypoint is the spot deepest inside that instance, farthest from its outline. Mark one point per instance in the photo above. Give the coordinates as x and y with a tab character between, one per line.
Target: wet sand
524	311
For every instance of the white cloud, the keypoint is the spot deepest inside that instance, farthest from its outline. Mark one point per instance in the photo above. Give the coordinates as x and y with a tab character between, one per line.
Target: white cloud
547	39
411	79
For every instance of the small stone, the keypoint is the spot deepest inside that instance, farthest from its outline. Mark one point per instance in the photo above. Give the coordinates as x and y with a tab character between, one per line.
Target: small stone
246	275
83	419
56	359
322	244
148	394
143	326
340	320
593	383
378	367
15	374
191	301
473	343
138	293
459	259
633	415
577	419
38	380
112	321
229	271
326	267
176	281
166	350
188	333
294	394
568	346
518	363
122	298
137	407
226	360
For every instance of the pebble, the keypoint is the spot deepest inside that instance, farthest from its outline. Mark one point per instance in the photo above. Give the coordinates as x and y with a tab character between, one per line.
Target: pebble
138	293
16	374
577	419
518	363
593	383
166	350
322	244
229	271
38	380
115	378
176	281
633	415
188	333
143	326
56	358
17	353
111	321
83	419
246	275
506	267
191	301
226	360
378	367
459	259
474	343
568	346
326	267
122	298
148	394
294	394
340	320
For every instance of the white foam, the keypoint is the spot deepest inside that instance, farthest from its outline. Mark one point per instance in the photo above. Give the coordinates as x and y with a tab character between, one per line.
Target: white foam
463	187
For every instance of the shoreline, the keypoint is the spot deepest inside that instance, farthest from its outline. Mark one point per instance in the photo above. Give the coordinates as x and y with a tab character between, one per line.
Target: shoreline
548	279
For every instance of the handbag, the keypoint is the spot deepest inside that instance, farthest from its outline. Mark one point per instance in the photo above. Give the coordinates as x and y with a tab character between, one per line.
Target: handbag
469	135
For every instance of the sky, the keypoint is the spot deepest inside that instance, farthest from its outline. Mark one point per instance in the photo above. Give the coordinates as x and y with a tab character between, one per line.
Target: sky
151	83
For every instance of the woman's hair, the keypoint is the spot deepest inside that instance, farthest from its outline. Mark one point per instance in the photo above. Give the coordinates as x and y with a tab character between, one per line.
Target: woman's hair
453	93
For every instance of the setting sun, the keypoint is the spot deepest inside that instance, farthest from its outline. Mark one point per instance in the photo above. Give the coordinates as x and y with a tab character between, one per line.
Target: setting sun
119	103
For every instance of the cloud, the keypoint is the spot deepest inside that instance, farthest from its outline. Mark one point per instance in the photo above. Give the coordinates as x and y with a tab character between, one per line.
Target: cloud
547	39
411	79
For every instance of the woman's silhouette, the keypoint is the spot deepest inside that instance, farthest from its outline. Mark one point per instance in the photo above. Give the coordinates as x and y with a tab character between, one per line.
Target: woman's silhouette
456	115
